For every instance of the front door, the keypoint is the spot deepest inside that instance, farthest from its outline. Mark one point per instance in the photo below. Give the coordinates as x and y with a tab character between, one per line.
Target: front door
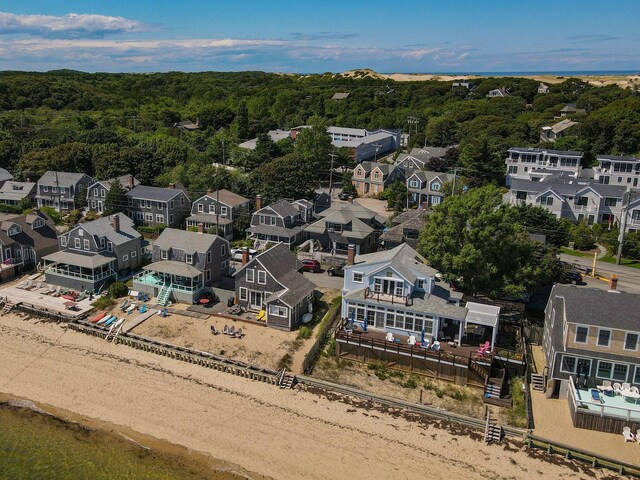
255	300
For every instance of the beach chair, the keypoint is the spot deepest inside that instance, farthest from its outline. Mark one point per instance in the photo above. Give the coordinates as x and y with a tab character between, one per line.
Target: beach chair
214	330
28	286
21	285
225	330
638	436
435	346
239	333
616	388
596	396
50	290
124	304
626	433
232	331
634	390
626	386
389	337
484	348
606	383
411	340
425	344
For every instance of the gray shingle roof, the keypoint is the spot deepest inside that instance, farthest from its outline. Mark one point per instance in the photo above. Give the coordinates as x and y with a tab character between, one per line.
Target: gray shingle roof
65	179
227	197
5	175
16	191
174	267
154	193
283	208
190	242
41	239
103	227
404	259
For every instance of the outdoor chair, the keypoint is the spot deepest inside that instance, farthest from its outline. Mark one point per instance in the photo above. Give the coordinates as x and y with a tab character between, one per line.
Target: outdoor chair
638	436
214	330
595	395
635	390
616	388
28	286
239	333
606	383
435	346
389	337
225	330
21	285
626	386
628	436
232	330
484	348
411	340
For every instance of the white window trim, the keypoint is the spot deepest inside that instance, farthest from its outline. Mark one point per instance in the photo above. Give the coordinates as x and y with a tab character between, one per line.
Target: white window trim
637	341
613	366
608	341
250	278
109	246
134	254
188	258
575	338
562	364
243	294
86	245
263	274
164	254
278	311
125	258
209	256
361	277
200	207
63	240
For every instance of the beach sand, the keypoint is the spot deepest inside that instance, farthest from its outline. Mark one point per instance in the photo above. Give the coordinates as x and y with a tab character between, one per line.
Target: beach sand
273	432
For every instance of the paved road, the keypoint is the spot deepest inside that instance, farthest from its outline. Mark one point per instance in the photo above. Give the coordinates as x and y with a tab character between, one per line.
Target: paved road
321	279
629	278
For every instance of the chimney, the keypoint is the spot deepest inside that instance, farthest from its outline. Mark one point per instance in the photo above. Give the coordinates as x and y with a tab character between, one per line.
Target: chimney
351	254
209	191
350	199
613	283
245	256
132	182
258	202
424	205
115	221
172	186
200	227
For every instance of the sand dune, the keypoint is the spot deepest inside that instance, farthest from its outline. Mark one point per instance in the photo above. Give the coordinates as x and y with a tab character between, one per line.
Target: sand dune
275	433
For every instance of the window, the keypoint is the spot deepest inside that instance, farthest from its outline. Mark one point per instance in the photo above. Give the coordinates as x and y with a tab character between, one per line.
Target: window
103	193
436	186
278	311
414	183
133	254
200	207
148	217
546	201
95	192
54	189
164	254
631	341
188	258
209	256
63	241
582	333
102	243
45	188
125	257
212	208
613	371
87	244
420	284
223	210
610	202
357	277
109	247
243	294
513	169
568	364
207	275
262	277
604	336
160	218
223	249
250	275
636	377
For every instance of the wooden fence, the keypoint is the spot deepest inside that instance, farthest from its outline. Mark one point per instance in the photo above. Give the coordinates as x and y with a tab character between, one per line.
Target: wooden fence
327	325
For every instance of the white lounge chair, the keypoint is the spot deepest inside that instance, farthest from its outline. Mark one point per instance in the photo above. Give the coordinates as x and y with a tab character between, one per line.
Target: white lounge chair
389	337
638	436
616	388
435	346
628	436
21	285
635	390
626	386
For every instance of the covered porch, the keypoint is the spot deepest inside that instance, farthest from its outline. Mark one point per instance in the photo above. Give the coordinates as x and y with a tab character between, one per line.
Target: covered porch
79	271
174	279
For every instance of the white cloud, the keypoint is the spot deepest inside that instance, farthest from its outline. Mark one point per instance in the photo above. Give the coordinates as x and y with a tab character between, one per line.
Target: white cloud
72	25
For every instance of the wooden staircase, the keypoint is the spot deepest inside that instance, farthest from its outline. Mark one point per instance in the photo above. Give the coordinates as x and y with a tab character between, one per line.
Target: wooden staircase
538	382
286	380
496	390
492	430
7	307
163	295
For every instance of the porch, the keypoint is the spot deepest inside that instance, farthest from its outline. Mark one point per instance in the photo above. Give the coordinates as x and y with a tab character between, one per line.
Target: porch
79	271
180	280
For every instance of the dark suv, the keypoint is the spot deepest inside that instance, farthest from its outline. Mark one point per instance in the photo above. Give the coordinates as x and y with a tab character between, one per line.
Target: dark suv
310	265
336	271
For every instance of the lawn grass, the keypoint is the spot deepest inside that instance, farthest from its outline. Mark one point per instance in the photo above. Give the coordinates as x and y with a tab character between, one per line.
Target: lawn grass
575	253
627	262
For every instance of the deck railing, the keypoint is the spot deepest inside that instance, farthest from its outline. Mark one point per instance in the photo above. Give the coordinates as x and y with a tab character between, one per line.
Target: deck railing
66	273
602	409
405	300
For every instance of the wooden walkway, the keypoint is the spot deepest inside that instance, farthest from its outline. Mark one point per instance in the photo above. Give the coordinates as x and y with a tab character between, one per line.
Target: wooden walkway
128	326
188	313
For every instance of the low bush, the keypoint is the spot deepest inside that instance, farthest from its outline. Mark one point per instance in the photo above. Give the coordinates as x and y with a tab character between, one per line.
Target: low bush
331	348
118	289
410	383
104	302
304	332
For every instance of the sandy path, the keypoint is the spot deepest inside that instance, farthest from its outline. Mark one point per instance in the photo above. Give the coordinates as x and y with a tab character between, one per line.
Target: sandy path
281	434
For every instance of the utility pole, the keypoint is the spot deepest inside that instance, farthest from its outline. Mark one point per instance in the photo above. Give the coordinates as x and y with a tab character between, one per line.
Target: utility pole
625	209
332	155
378	147
58	192
453	192
218	196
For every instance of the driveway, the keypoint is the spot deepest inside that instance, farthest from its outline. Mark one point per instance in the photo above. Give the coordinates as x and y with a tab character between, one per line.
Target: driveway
321	279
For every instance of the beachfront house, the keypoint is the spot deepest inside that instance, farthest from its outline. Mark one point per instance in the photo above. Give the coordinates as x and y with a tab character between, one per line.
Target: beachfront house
591	339
350	224
371	178
271	282
24	240
499	93
523	162
97	191
543	88
282	221
95	253
60	190
571	109
15	193
221	208
157	206
184	266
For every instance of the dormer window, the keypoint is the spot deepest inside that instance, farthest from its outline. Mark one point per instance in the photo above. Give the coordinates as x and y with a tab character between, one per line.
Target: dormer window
188	258
87	244
109	247
102	243
14	230
376	175
436	186
413	183
63	241
164	254
95	192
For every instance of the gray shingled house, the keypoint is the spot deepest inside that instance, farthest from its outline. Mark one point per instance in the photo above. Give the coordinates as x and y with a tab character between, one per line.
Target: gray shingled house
97	191
155	206
282	221
13	193
60	190
24	240
221	206
271	282
95	253
406	229
185	264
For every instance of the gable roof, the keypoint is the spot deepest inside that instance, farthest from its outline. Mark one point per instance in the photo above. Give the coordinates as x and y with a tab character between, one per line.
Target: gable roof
154	193
190	242
283	208
5	175
103	227
16	191
340	96
42	238
63	178
404	259
226	197
125	181
563	125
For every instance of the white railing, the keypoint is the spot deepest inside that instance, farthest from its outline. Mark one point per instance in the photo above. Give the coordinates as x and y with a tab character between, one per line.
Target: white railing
67	273
603	409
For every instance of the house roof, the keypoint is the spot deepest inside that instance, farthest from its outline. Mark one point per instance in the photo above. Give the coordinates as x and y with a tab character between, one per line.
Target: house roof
404	259
414	222
63	178
340	96
565	153
283	208
275	135
39	239
103	227
125	181
563	125
154	193
174	267
80	259
359	229
571	108
226	197
5	175
617	158
482	314
562	185
593	306
190	242
16	191
275	230
209	218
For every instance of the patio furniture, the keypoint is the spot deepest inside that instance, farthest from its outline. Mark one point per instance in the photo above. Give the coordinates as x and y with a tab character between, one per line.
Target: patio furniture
606	389
435	346
634	389
232	330
484	348
595	395
411	340
389	337
606	383
239	333
21	285
626	386
57	293
425	344
616	388
626	433
629	395
214	330
225	330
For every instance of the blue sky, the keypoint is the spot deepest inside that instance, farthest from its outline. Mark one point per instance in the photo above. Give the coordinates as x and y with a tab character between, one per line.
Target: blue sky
312	36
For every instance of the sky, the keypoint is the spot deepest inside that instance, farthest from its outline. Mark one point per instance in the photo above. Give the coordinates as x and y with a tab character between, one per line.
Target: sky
313	36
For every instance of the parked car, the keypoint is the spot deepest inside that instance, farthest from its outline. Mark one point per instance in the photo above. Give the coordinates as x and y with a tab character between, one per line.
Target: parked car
310	265
336	271
236	253
573	277
344	196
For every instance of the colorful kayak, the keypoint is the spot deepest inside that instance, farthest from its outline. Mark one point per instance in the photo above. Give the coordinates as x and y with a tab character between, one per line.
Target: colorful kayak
104	320
119	322
98	317
110	321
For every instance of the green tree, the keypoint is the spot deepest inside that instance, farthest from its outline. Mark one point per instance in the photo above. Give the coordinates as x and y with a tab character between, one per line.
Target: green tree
313	146
441	131
81	197
242	222
115	199
395	195
347	185
540	221
242	121
582	236
285	177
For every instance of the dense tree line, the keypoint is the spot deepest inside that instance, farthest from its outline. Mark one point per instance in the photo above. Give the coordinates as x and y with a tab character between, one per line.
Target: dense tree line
111	124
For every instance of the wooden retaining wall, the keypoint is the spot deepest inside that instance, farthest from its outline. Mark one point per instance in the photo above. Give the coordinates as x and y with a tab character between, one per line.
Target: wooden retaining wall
583	418
329	320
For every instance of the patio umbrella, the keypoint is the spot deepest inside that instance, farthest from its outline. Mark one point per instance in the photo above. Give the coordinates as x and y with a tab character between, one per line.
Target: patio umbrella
364	325
353	317
422	336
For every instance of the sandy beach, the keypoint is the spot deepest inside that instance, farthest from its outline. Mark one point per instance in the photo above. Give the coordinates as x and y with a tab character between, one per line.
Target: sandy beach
272	432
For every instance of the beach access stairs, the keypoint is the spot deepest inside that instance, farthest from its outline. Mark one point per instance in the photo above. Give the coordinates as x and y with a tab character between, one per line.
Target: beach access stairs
163	296
493	432
286	380
538	382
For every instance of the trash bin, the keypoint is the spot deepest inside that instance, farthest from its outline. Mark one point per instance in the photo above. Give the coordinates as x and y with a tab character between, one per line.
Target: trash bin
230	302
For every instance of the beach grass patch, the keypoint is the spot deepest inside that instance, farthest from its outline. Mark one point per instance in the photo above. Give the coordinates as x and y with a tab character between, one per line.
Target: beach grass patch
104	302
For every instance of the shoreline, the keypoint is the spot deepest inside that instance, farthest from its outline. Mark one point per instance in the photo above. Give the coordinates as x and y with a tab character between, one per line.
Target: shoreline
195	462
273	432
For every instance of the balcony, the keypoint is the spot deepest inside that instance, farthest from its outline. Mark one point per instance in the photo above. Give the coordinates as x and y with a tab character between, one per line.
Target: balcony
405	300
79	274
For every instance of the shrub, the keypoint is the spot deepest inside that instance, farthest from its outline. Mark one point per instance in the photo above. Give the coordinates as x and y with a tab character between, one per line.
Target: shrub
410	383
118	289
52	214
285	361
517	415
104	302
331	348
304	332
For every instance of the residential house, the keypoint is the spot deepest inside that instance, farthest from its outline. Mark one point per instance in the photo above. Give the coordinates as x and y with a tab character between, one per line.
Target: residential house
522	162
282	221
371	178
24	240
155	206
463	84
592	336
271	282
187	125
340	96
571	109
499	93
406	228
398	293
184	266
275	135
557	131
97	191
617	170
631	210
220	208
321	201
350	224
14	193
95	253
567	197
419	158
426	188
60	190
543	88
5	176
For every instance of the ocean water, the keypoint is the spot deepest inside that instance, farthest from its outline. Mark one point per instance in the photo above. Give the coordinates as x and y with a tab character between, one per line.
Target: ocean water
36	446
